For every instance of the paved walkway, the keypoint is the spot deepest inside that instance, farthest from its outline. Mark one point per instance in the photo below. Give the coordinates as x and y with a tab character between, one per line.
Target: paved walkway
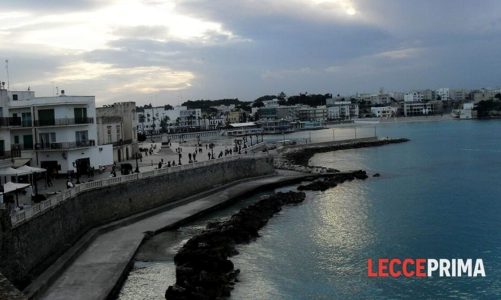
147	163
95	272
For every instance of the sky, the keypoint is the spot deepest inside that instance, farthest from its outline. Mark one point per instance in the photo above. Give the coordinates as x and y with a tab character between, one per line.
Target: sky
165	52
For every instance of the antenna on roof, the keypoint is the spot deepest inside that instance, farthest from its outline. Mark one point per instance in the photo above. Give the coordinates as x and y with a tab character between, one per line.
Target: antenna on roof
7	71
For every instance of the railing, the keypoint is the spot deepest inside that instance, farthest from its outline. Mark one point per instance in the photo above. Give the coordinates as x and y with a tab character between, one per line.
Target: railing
5	154
122	142
64	121
24	215
65	145
10	121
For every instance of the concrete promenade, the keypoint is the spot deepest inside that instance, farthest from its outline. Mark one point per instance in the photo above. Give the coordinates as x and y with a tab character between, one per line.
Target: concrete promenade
98	270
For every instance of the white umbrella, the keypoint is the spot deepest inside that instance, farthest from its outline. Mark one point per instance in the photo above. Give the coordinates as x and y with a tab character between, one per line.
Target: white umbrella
12	187
31	169
13	172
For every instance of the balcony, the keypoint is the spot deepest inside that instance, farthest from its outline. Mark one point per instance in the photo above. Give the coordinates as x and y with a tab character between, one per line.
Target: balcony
10	121
7	154
64	145
64	122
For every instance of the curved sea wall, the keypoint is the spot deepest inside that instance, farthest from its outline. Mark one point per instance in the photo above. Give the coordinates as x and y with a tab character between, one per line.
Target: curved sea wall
28	249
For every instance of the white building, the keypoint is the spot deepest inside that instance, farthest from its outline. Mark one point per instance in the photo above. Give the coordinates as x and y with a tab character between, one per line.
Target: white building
413	97
117	125
190	118
443	93
271	103
384	112
341	110
57	133
150	118
418	108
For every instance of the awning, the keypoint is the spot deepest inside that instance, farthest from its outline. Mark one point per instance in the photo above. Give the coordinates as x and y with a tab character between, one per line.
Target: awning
13	172
31	169
20	162
12	187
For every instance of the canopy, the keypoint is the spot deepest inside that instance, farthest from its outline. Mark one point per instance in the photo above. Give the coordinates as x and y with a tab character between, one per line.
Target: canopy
13	172
11	187
31	169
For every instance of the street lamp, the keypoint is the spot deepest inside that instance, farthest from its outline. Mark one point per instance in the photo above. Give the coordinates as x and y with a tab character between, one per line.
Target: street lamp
137	164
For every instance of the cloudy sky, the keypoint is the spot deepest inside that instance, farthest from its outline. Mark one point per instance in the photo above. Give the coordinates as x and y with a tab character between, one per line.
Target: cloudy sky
167	51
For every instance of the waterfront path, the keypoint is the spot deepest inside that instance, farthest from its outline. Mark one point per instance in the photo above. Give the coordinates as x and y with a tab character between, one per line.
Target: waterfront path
94	274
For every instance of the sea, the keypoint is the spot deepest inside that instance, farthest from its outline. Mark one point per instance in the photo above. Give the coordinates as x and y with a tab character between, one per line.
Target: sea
438	196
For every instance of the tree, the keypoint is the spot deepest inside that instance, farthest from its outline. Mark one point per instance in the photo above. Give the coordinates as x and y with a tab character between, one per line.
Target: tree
164	123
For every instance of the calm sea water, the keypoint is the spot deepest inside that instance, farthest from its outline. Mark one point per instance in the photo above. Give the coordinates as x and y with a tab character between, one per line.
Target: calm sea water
438	197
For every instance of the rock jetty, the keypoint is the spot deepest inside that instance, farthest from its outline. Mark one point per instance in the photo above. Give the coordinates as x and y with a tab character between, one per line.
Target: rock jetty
297	159
331	181
203	270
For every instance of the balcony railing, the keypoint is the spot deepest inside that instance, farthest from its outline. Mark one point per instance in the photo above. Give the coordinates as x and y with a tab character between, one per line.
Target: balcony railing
10	121
65	145
122	142
5	154
64	121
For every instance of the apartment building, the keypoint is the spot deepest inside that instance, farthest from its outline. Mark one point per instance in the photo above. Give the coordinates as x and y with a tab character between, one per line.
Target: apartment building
117	125
57	133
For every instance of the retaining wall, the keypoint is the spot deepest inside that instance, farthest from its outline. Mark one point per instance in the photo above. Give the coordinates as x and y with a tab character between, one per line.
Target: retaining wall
29	248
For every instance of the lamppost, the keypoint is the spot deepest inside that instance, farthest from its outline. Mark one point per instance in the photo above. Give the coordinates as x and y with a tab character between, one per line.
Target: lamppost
137	164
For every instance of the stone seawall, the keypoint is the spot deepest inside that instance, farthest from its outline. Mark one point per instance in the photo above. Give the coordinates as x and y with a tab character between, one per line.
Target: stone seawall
30	248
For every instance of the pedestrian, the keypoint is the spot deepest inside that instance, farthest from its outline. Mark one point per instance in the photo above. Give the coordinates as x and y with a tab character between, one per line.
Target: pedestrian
195	157
180	156
208	153
206	146
160	164
49	181
189	158
220	154
69	184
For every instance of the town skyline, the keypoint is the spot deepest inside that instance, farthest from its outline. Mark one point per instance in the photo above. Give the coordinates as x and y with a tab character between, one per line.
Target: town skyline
166	52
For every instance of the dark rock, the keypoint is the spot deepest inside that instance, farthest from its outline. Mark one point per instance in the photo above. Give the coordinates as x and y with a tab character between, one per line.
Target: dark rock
203	270
376	175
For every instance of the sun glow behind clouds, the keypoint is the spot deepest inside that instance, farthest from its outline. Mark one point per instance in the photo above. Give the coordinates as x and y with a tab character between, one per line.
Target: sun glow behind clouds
149	79
91	30
345	6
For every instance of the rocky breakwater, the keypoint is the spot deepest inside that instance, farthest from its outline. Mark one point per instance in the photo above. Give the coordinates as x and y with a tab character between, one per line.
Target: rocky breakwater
297	159
330	181
203	270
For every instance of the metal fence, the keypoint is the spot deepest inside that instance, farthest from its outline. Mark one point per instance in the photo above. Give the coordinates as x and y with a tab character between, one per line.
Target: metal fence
24	215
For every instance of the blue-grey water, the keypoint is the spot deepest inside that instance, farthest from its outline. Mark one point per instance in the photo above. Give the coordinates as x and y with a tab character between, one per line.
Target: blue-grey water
439	196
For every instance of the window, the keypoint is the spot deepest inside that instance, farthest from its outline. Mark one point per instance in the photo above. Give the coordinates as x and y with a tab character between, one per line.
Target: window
80	115
26	119
46	117
82	137
14	97
2	147
119	136
47	138
109	134
28	141
16	139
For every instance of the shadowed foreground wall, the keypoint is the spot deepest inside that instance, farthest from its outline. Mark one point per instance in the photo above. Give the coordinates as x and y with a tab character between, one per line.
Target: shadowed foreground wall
31	247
